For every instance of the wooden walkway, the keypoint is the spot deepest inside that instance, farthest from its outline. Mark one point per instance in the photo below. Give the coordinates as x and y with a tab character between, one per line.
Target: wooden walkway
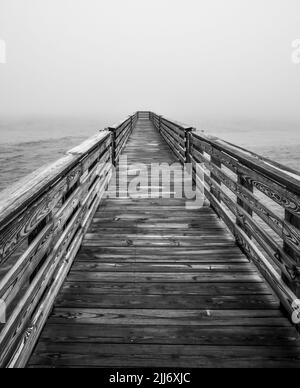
155	284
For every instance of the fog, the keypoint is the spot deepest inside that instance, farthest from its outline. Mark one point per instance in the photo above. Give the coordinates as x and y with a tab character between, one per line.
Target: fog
185	59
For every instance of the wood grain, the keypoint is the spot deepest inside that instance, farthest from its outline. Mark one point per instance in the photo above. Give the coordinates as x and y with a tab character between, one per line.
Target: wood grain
155	284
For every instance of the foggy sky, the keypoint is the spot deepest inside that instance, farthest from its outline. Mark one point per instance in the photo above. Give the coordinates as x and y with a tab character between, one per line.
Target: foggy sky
185	59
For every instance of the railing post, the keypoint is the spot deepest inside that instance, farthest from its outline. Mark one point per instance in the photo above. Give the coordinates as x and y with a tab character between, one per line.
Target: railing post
216	162
131	123
188	144
113	146
294	285
249	186
159	125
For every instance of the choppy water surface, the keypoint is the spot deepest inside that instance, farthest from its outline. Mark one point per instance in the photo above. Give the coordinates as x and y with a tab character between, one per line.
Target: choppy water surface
30	144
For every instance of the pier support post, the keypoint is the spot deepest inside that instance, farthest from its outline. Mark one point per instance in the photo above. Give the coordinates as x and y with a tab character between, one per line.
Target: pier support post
188	144
113	146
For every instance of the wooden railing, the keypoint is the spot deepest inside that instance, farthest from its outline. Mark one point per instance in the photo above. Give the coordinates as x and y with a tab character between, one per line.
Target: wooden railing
258	199
120	134
43	219
175	134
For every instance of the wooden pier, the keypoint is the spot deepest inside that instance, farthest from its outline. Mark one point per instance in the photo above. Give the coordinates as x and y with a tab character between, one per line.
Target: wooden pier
94	280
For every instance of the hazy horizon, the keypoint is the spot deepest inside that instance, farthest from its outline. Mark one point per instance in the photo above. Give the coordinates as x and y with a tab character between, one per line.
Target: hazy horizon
189	60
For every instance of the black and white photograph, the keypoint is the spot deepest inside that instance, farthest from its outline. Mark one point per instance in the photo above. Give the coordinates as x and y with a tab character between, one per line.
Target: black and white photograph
149	187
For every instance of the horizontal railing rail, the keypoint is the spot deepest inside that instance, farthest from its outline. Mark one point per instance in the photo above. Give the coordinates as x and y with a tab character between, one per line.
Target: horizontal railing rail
175	134
258	199
43	219
120	134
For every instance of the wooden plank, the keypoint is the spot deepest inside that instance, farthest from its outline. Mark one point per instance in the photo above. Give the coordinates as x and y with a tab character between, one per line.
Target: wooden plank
171	145
178	138
286	295
279	187
163	288
146	277
253	229
157	257
150	242
19	274
176	124
13	234
17	197
31	336
254	164
283	228
168	317
255	302
144	334
26	306
166	356
161	267
130	300
90	143
162	253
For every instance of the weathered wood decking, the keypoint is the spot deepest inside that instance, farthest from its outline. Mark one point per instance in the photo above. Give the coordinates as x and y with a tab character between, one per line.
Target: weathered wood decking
155	284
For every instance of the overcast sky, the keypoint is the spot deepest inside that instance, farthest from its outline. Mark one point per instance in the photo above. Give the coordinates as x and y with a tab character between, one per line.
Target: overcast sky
186	59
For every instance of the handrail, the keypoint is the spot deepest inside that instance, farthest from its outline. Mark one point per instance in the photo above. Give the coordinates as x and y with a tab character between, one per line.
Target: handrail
175	134
275	171
257	198
43	219
120	133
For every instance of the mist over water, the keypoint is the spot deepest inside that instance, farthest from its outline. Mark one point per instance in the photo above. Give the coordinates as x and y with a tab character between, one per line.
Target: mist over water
108	58
28	144
75	66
